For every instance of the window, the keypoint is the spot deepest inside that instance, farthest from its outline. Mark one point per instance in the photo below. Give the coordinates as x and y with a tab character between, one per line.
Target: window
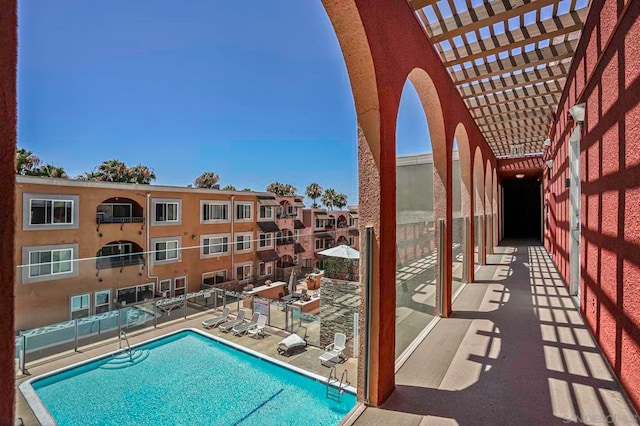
167	250
215	212
180	285
243	242
102	301
265	269
166	212
48	212
351	241
135	294
319	223
164	286
212	245
80	305
265	240
319	244
118	212
243	272
266	212
50	262
296	234
243	211
215	277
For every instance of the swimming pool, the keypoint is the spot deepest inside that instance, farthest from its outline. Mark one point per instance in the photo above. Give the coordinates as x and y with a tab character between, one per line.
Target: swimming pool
185	378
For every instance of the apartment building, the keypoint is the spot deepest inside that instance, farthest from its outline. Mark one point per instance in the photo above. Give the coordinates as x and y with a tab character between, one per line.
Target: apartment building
326	229
89	247
288	247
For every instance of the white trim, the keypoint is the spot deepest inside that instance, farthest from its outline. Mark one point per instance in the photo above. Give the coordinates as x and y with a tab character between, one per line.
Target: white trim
51	262
156	250
266	219
81	295
269	239
164	281
243	265
167	201
244	235
243	203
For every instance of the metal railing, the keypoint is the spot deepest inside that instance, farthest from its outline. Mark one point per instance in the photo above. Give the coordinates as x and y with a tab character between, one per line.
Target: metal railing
120	261
102	219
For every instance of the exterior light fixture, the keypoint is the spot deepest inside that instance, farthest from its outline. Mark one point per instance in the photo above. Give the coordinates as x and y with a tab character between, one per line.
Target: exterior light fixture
576	113
550	163
547	142
520	175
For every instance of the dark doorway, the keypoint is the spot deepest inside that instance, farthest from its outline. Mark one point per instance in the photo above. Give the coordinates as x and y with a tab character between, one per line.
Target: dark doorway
522	209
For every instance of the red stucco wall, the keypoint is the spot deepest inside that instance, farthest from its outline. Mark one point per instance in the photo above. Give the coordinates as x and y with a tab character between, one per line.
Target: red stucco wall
8	57
605	74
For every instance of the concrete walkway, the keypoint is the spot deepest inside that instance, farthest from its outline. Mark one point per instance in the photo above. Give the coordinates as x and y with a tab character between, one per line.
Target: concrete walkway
516	352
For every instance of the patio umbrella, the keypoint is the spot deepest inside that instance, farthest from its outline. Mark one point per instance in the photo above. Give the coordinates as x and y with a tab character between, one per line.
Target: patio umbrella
291	281
345	252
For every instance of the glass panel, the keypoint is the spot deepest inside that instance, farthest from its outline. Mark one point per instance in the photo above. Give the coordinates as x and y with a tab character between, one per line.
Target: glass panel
458	226
38	212
122	210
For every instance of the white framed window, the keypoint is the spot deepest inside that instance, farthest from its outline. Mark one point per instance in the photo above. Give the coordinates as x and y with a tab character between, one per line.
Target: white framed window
265	269
265	240
50	262
266	212
244	211
243	272
167	211
102	301
79	305
243	242
214	277
133	294
50	212
214	245
351	240
166	249
319	244
214	211
319	223
164	286
180	285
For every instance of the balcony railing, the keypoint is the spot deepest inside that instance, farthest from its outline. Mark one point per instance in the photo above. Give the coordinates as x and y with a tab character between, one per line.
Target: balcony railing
342	224
102	219
285	241
286	215
119	261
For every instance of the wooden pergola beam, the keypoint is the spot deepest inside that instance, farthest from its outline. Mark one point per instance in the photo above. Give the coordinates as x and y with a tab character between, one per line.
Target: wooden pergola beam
419	4
516	99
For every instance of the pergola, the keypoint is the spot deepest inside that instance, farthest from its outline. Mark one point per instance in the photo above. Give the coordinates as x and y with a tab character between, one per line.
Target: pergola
508	60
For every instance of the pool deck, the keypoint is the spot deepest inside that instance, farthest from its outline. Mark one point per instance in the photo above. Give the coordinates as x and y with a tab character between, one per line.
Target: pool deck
306	360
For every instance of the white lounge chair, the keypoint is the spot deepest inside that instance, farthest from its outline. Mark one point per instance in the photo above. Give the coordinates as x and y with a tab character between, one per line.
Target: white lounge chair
227	326
242	328
212	322
258	329
294	341
334	351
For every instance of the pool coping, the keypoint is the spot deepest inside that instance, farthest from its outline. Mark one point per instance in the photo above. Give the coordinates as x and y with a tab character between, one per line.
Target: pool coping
43	415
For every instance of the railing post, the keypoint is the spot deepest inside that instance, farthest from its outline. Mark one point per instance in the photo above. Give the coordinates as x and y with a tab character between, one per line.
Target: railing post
185	303
119	325
155	315
75	335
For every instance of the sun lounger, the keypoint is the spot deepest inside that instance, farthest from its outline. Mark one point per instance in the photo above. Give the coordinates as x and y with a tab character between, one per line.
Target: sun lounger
227	326
292	342
212	322
334	351
258	329
242	328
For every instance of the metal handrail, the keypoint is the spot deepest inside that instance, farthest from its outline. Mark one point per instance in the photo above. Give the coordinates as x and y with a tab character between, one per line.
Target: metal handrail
126	339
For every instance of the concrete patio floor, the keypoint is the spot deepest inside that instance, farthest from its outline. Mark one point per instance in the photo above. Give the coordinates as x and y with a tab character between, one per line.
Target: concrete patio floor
516	351
306	359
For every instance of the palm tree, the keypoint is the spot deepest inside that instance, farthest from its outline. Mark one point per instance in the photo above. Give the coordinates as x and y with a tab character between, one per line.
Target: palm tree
26	162
229	188
281	189
314	191
340	201
275	187
207	180
246	189
49	170
329	197
111	171
140	174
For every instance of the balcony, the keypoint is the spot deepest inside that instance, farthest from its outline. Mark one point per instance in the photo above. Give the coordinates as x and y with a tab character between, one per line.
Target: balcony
118	254
285	241
119	210
119	261
100	219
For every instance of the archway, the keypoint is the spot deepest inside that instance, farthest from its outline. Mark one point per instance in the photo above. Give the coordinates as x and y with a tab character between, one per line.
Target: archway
461	203
478	207
421	200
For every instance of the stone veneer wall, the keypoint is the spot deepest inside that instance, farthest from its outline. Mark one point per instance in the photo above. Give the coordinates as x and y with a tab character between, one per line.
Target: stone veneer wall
339	300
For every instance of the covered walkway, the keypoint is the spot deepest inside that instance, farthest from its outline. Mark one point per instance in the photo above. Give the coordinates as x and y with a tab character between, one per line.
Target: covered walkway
515	351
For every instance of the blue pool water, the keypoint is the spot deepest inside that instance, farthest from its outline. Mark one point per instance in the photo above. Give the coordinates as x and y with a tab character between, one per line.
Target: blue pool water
188	379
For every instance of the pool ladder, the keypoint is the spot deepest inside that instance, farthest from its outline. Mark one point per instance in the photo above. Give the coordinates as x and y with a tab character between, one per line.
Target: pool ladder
121	337
335	393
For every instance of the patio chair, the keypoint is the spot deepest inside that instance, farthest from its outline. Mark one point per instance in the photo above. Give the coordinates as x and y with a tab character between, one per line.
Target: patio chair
212	322
227	326
335	350
258	328
295	341
242	328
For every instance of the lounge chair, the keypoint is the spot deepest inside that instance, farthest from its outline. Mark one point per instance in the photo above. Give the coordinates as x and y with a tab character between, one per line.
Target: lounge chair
227	326
242	328
334	351
258	328
294	341
212	322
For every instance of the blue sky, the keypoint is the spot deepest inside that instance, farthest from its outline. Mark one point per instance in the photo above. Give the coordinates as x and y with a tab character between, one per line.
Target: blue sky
255	94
